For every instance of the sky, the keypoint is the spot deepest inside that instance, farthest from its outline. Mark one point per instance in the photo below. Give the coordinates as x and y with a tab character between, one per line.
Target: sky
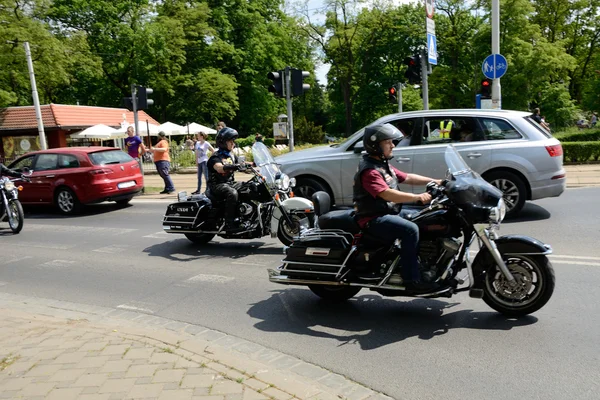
316	11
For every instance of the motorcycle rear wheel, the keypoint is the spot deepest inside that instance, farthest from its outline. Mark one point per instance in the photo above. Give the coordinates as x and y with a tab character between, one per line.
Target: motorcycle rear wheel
334	293
200	238
535	285
16	216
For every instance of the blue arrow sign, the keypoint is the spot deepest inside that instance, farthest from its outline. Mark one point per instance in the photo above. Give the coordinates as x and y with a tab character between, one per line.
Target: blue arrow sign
494	66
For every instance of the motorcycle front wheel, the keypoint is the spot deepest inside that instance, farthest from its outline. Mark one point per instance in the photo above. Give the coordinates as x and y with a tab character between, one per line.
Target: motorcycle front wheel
16	216
533	287
285	232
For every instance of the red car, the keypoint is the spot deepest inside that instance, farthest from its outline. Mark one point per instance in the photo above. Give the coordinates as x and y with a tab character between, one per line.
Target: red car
69	177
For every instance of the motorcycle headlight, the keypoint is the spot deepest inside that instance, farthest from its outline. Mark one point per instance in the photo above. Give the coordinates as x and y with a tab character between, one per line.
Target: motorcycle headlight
292	182
283	183
8	185
498	213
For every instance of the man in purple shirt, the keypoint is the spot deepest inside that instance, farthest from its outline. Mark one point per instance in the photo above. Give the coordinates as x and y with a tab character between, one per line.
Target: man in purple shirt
133	144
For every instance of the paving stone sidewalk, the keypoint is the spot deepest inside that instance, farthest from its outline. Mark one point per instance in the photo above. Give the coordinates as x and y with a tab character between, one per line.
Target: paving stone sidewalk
59	350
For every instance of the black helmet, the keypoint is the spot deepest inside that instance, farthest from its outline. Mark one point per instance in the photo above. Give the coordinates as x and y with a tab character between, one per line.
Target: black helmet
225	135
378	133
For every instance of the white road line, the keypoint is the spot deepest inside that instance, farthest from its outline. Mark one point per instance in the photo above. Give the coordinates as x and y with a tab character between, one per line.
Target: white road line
209	278
117	248
44	246
251	263
158	235
134	308
591	264
16	259
58	263
3	283
574	257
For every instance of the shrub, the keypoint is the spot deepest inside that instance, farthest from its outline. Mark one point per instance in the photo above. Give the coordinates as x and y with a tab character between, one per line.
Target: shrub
590	135
581	151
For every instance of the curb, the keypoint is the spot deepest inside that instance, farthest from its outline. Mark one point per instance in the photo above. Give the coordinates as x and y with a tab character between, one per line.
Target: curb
258	367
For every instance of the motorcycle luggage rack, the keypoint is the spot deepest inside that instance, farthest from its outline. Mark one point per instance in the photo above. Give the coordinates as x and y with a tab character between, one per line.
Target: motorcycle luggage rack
347	237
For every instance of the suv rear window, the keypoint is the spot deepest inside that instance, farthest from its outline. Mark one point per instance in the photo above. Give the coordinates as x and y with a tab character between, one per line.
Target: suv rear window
109	157
538	127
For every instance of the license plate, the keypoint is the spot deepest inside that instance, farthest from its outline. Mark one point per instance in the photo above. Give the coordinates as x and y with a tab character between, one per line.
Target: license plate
124	185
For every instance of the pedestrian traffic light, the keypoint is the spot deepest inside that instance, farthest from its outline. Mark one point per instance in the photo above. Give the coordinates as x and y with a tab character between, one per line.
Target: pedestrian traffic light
277	86
298	85
392	94
413	70
143	102
486	89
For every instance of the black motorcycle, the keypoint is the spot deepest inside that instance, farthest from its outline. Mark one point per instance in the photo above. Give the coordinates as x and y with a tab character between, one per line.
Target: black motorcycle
11	209
512	273
266	206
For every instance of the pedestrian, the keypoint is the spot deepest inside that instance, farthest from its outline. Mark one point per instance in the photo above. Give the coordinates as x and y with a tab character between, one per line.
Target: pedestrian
594	119
135	146
162	160
189	143
221	125
202	147
258	138
538	118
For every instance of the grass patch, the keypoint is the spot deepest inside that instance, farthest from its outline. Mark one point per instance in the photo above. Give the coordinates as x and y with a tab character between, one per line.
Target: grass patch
7	361
239	380
152	189
167	350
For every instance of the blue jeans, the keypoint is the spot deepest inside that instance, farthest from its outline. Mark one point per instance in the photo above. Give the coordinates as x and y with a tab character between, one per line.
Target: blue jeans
202	171
163	170
391	227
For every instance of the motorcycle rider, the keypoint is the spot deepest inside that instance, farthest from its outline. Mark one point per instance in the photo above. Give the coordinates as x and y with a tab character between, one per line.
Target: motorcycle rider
9	172
221	184
378	200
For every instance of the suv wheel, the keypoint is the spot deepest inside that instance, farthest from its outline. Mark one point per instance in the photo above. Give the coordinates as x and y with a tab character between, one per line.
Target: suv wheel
513	189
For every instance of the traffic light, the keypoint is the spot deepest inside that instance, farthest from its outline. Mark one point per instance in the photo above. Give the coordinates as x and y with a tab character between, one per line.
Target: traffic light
277	86
127	103
392	94
413	70
298	85
486	88
143	101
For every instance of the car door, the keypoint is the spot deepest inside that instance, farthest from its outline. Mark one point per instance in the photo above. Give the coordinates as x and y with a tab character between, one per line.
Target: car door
463	132
44	176
27	195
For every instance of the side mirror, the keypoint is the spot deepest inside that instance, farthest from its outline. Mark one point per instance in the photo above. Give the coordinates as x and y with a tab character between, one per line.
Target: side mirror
448	174
359	147
241	159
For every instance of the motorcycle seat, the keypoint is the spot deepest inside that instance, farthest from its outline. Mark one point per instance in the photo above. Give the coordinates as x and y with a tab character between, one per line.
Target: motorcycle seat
210	196
339	219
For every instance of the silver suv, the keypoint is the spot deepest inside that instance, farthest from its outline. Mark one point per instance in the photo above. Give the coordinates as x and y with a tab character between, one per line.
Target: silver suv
508	148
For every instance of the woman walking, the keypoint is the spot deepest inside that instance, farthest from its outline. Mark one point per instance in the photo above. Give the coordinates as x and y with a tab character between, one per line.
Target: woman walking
162	160
202	147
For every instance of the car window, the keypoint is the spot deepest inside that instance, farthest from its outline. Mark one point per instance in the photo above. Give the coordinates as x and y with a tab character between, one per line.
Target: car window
19	165
46	162
497	129
440	130
109	157
408	127
67	161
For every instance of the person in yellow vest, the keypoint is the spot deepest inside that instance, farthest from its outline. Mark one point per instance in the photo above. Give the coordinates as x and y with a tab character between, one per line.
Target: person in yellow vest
445	128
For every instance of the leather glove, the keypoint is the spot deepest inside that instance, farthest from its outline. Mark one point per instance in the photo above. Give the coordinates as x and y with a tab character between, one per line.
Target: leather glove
241	167
230	167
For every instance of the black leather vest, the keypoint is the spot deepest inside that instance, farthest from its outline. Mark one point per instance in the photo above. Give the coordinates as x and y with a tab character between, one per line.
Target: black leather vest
364	204
215	178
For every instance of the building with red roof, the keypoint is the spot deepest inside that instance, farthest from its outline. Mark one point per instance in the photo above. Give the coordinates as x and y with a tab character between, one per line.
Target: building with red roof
60	120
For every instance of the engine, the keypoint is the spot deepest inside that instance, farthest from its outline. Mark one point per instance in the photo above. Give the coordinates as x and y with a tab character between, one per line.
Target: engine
435	255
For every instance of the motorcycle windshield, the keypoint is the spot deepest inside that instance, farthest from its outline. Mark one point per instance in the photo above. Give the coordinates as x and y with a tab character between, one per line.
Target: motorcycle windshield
468	189
266	163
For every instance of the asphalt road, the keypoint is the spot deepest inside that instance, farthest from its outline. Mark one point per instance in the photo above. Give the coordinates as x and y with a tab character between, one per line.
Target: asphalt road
409	349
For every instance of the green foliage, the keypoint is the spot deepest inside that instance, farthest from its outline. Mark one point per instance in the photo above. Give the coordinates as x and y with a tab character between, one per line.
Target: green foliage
306	132
587	135
581	151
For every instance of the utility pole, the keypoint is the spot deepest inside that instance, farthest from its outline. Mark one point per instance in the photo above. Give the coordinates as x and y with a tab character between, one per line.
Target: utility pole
36	100
496	88
134	108
400	87
424	82
288	96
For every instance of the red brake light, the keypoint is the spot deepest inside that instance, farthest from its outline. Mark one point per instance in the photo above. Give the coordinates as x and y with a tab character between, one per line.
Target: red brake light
555	151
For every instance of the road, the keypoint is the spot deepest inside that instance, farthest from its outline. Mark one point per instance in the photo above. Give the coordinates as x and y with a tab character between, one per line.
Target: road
409	349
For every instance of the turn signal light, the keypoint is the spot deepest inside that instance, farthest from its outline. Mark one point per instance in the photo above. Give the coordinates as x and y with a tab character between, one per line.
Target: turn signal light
555	150
277	197
19	188
292	194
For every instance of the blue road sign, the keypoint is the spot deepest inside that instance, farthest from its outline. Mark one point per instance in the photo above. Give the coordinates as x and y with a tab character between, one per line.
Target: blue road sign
431	49
494	66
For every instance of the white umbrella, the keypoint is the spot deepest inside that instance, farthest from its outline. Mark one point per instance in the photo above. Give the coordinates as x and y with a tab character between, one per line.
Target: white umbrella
172	129
100	131
195	128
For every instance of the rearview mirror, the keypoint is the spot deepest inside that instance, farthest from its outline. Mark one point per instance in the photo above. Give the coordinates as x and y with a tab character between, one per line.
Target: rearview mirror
359	147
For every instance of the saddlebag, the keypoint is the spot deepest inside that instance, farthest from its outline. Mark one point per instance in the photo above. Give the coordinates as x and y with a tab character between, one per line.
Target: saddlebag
186	215
318	253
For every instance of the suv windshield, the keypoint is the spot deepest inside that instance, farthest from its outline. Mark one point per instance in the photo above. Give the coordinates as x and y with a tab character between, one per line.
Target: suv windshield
109	157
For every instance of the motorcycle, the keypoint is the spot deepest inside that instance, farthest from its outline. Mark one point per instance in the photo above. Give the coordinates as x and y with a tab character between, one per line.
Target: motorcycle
266	206
11	209
511	273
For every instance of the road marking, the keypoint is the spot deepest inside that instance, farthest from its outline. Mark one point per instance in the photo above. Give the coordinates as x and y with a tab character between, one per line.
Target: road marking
591	264
134	308
16	259
157	235
574	257
209	278
58	263
117	248
78	229
251	263
3	283
44	246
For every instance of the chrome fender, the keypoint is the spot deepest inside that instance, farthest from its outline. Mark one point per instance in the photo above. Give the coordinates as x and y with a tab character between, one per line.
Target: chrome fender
292	205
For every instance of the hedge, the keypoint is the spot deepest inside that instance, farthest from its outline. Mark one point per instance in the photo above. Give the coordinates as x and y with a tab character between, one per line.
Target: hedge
591	135
581	151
